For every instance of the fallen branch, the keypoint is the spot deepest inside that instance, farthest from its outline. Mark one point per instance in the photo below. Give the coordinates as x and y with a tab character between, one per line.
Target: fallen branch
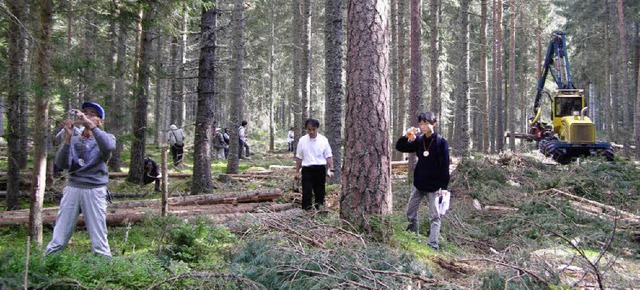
528	272
606	209
407	275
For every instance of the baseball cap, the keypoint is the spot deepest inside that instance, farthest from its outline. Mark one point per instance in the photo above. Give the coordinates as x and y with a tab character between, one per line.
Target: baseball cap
96	107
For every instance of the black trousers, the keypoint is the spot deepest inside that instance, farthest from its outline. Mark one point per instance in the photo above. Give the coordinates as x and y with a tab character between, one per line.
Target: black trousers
177	152
313	180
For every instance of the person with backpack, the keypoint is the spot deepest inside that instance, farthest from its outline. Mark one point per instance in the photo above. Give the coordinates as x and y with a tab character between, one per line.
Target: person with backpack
431	175
151	173
226	138
176	141
219	145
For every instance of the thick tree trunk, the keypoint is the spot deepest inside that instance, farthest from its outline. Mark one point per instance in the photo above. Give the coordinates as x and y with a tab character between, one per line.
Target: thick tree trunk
366	180
461	132
237	85
402	102
295	103
178	111
202	181
499	78
624	80
511	99
415	88
43	63
16	91
484	80
333	81
393	76
141	95
116	122
306	59
433	56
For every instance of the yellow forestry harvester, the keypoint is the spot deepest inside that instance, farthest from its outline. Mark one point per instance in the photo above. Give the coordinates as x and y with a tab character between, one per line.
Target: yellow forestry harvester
571	133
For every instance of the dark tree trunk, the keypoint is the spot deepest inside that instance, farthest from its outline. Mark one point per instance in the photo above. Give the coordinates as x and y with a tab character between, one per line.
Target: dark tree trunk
484	105
624	81
461	132
237	85
306	59
272	48
499	78
116	123
141	97
366	179
333	81
43	64
433	56
295	103
415	90
511	99
202	181
402	49
16	93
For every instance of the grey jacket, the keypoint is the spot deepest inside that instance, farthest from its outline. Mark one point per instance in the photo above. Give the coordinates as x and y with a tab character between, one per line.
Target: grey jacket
86	159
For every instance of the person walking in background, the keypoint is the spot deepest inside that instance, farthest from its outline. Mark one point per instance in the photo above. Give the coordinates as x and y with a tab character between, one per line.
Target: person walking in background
226	138
176	141
243	136
219	145
431	175
313	156
290	138
85	157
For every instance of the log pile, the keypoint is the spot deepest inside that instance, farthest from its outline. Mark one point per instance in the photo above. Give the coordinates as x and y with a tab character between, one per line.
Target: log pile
217	207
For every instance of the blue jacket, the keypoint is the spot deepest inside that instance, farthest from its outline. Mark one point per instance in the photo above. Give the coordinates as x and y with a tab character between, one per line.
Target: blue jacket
432	171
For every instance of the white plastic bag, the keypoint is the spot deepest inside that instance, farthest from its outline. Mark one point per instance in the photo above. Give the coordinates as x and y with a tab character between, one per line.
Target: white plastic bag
442	201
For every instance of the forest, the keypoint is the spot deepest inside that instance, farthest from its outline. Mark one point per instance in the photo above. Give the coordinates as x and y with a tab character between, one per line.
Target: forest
545	190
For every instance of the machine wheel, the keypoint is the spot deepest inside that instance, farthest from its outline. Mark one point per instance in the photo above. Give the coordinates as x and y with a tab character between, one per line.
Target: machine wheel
542	146
558	154
608	154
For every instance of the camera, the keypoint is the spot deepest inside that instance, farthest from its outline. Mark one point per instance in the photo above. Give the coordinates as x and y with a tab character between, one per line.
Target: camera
72	114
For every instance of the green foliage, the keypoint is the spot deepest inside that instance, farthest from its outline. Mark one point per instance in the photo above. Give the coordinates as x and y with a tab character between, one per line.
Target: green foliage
195	242
495	280
275	264
480	176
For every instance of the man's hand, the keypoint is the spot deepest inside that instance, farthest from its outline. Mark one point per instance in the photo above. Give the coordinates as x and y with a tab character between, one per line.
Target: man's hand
411	133
330	173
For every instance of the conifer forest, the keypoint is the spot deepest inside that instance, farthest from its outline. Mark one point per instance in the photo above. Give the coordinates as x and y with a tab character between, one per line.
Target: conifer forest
192	112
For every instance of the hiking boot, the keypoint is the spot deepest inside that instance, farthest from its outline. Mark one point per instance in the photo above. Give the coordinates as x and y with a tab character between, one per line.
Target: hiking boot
434	246
412	227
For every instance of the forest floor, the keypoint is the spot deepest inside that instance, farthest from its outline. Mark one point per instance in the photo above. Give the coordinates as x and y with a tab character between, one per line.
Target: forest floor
517	221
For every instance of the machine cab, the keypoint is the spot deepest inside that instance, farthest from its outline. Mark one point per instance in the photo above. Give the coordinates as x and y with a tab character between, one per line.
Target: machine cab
569	123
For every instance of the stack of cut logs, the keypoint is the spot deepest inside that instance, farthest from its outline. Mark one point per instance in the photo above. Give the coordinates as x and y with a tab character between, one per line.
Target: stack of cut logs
217	207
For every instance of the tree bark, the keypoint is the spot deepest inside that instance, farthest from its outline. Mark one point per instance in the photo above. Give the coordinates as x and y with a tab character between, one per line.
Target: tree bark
306	59
484	80
512	75
624	80
295	103
272	48
116	122
366	180
237	85
434	21
178	111
333	81
141	95
16	91
43	63
202	181
461	132
415	89
499	78
402	102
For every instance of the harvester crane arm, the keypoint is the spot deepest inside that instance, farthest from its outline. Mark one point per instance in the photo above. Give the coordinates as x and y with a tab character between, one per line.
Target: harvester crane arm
556	53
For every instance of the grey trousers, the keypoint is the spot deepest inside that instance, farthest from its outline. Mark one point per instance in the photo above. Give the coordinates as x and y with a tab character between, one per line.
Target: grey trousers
434	217
93	203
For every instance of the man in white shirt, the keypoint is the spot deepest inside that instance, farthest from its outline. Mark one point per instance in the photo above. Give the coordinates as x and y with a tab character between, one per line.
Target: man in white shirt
313	156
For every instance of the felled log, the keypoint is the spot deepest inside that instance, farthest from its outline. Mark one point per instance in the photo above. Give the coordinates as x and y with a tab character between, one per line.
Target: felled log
117	217
192	201
228	198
